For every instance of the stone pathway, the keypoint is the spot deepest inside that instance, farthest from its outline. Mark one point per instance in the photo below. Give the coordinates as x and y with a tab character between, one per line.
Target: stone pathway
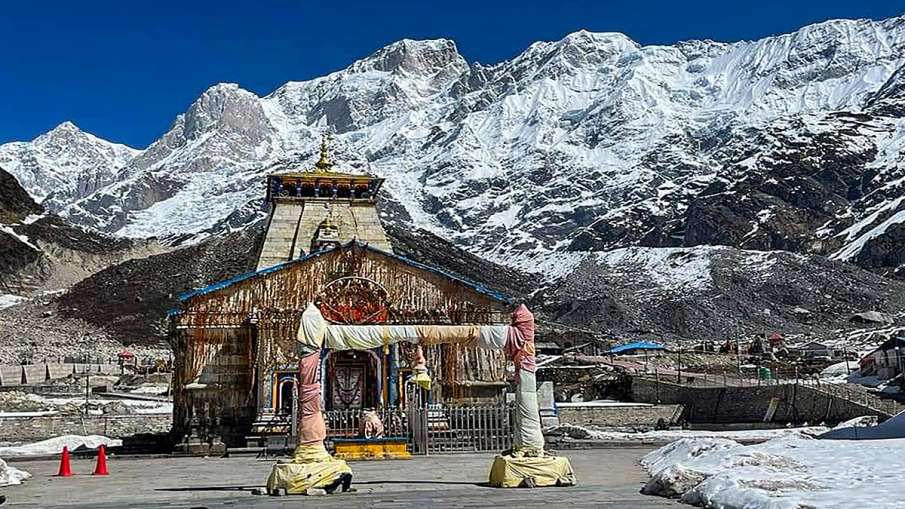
607	478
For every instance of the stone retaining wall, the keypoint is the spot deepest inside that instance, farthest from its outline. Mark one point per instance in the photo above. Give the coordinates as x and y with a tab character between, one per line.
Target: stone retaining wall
33	429
13	374
793	403
618	416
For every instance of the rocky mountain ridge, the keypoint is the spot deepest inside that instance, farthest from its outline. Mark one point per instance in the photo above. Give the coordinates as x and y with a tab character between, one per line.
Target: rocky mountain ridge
690	180
590	142
64	165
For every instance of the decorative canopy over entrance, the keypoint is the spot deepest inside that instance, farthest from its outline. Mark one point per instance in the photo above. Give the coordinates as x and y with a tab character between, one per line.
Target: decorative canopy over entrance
354	300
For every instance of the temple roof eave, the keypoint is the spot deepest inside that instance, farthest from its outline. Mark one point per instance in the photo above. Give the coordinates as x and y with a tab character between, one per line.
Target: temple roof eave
220	285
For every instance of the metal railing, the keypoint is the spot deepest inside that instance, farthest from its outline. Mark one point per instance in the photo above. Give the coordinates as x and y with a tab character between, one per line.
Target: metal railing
449	429
347	423
434	429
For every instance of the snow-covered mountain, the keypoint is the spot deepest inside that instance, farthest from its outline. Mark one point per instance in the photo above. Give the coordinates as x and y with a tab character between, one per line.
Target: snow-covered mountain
64	164
590	143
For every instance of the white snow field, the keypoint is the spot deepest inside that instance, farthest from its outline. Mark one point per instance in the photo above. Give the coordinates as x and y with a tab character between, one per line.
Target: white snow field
11	475
891	428
55	445
783	473
9	300
754	435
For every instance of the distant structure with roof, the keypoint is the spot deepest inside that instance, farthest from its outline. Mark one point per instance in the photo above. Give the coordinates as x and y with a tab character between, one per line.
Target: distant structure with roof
885	362
234	342
636	347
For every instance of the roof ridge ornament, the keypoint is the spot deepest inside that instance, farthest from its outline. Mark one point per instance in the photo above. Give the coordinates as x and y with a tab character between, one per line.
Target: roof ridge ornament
323	164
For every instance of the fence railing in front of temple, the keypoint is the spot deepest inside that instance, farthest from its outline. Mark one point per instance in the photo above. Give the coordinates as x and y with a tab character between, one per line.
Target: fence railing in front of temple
434	429
347	423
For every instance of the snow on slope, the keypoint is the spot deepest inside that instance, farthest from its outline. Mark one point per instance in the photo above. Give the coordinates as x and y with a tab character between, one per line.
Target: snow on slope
56	444
782	473
64	164
516	160
886	206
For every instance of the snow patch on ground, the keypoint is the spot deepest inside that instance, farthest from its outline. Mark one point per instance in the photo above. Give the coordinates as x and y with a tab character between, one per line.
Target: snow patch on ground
678	269
8	300
11	475
153	389
854	430
783	473
55	445
586	433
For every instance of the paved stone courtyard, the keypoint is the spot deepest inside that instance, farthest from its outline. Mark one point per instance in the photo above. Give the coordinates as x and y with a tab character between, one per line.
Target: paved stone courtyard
607	478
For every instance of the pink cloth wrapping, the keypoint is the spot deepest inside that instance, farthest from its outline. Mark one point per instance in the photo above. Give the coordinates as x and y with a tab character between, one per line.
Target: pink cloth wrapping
520	342
312	429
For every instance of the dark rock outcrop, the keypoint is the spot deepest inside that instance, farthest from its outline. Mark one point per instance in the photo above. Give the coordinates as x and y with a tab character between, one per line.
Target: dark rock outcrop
15	203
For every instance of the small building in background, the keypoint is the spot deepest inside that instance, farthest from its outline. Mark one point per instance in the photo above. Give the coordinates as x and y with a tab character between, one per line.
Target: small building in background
127	361
886	360
777	341
816	350
547	348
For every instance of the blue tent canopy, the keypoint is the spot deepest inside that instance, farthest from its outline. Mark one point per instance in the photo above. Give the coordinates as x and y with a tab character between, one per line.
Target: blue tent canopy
637	345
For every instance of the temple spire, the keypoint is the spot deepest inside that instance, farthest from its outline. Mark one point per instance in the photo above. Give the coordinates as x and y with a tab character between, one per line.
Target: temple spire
324	164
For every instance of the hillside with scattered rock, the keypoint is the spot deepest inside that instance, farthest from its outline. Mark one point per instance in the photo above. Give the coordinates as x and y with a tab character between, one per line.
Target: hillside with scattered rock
719	292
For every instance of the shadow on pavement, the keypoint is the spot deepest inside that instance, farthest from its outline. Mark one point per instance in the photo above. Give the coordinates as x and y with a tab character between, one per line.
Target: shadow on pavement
211	488
464	483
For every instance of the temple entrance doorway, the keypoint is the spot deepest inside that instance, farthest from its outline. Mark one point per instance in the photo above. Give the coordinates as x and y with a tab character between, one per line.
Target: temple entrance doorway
354	380
285	392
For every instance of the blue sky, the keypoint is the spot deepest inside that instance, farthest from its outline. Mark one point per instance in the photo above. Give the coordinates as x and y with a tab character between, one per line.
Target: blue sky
124	69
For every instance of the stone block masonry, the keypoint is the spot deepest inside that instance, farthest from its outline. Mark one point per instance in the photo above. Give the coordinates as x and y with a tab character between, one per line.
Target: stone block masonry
293	226
628	416
281	234
15	374
37	428
782	403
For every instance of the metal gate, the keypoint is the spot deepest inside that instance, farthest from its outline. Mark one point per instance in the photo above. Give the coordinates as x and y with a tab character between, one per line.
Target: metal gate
436	428
433	428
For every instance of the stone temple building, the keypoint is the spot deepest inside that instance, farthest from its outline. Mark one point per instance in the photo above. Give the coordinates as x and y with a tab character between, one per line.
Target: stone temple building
234	341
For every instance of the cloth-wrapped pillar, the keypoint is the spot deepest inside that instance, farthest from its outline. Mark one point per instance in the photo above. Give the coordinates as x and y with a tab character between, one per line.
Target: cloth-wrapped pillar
311	465
312	429
527	464
528	439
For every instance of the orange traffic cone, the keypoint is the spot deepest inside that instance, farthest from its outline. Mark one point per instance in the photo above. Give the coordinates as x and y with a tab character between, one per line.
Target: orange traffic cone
101	468
65	468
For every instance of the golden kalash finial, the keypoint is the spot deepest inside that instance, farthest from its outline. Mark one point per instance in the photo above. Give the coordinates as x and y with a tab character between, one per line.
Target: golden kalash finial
324	164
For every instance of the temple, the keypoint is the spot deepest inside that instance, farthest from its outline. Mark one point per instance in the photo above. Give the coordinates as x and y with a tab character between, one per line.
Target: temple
235	341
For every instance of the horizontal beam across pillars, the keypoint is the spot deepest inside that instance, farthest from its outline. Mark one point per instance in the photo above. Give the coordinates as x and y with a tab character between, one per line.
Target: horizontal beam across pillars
313	467
315	333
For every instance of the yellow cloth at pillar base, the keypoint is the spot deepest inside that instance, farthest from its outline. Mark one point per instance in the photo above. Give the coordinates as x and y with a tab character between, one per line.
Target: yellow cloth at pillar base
531	471
311	467
372	449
